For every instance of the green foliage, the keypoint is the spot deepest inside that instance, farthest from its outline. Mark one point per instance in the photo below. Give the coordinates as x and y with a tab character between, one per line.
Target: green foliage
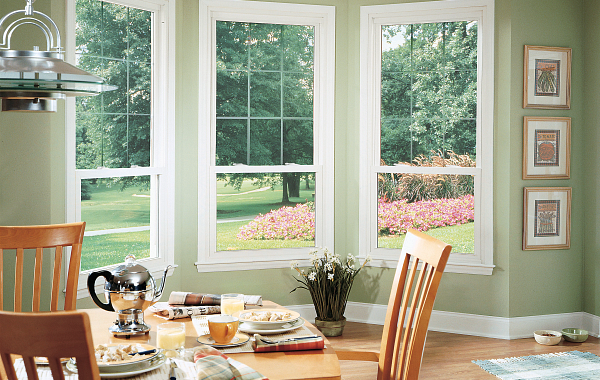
428	89
416	187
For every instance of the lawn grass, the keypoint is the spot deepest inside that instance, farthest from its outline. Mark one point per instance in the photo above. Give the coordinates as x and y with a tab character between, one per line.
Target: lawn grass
102	250
110	207
461	238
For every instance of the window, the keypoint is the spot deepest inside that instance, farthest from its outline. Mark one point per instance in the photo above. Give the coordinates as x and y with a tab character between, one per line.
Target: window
427	128
120	147
266	133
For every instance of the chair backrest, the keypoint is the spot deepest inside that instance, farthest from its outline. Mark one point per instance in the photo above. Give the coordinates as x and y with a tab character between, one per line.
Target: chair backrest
413	292
23	240
51	335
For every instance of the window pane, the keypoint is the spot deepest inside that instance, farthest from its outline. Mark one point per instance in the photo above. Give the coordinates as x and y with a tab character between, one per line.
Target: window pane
265	94
298	48
428	90
139	35
265	47
298	142
232	93
265	142
439	205
253	211
114	27
117	216
89	131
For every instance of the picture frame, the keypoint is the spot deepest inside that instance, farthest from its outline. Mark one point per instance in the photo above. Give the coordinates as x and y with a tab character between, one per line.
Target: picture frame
546	147
546	77
546	218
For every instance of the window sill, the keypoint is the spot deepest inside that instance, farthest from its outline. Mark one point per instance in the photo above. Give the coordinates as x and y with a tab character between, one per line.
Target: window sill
455	264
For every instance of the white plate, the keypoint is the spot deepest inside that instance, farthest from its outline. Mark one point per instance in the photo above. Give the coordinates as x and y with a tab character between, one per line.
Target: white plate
245	316
155	363
251	329
132	359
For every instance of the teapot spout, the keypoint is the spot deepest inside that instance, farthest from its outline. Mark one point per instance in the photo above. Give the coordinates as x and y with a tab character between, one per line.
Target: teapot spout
159	292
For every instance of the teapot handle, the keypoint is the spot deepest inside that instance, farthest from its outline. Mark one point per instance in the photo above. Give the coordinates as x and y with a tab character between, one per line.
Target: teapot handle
91	285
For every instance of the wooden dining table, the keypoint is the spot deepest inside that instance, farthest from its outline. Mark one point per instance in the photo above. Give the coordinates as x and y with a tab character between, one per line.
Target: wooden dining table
291	365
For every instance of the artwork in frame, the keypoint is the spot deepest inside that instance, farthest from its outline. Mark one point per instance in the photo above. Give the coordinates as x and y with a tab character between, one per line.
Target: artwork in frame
546	147
547	77
546	218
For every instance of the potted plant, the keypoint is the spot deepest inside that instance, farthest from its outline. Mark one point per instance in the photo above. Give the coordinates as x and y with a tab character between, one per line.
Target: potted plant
329	280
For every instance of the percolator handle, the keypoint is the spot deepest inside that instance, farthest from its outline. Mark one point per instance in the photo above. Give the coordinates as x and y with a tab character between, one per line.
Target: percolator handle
91	286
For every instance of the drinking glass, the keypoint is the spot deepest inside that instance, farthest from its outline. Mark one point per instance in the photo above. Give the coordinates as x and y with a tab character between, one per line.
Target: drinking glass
231	303
170	337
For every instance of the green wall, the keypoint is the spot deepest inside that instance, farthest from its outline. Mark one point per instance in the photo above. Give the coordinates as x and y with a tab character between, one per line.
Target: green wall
523	283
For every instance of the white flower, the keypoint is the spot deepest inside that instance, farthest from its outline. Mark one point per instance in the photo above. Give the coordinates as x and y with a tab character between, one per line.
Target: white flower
335	258
350	269
350	258
368	259
330	276
314	259
294	264
328	266
312	276
302	271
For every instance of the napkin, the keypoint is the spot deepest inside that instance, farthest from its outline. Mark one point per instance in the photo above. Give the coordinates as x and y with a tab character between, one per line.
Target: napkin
195	299
287	345
164	310
211	364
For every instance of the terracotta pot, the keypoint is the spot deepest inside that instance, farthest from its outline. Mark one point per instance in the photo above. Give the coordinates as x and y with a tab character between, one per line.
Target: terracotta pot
331	328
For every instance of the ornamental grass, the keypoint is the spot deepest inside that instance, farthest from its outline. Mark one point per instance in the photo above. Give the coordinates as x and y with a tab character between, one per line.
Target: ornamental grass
329	281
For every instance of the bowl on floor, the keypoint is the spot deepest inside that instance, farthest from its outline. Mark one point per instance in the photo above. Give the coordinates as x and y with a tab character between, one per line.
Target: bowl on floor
547	337
575	335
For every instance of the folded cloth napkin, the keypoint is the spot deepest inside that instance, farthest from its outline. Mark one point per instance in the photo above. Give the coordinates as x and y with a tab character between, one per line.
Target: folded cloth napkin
211	364
316	343
164	310
195	299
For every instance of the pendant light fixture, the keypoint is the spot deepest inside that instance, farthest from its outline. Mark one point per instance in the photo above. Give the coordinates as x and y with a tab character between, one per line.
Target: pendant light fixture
32	80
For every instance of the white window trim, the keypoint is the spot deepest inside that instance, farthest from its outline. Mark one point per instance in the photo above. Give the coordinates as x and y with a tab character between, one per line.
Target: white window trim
163	110
323	18
371	20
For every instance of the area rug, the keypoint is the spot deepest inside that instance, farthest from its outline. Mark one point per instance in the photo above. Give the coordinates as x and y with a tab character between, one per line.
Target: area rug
560	365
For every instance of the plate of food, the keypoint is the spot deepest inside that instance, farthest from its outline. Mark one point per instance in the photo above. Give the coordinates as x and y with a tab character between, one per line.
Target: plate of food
267	318
123	360
249	328
40	360
118	354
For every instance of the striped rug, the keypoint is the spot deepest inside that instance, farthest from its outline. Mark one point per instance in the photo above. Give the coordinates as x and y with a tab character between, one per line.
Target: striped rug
560	365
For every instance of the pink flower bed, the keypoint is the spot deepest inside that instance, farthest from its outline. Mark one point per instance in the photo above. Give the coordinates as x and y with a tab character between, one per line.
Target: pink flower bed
396	217
286	223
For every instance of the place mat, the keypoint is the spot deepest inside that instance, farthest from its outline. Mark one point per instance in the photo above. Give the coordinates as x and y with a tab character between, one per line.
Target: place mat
201	325
560	365
186	371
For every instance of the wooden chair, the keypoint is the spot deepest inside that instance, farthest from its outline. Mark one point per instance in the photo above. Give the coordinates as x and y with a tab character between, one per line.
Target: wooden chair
29	238
52	335
411	301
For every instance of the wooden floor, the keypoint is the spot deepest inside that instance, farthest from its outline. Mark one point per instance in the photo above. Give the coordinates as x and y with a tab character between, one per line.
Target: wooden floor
447	356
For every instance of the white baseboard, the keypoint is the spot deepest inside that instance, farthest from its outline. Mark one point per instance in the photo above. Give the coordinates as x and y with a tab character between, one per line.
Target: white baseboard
472	324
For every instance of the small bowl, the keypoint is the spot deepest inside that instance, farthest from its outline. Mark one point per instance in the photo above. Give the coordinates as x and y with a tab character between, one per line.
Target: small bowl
575	335
547	337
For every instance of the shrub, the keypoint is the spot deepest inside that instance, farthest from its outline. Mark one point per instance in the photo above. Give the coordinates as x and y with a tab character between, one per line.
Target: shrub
417	187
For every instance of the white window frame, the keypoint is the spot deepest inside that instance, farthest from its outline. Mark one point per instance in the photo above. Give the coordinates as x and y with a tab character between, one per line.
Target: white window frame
323	19
371	20
162	167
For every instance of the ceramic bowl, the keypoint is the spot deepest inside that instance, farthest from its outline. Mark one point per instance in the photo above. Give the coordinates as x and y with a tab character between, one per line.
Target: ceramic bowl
575	335
547	337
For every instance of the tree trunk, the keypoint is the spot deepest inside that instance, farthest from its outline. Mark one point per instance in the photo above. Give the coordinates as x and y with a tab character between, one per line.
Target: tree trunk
294	185
285	198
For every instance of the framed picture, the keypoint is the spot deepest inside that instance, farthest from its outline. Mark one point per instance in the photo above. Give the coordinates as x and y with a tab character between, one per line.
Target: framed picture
546	147
546	218
547	77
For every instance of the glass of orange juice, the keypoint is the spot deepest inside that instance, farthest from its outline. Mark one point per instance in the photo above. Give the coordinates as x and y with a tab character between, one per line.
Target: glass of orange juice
170	337
231	303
